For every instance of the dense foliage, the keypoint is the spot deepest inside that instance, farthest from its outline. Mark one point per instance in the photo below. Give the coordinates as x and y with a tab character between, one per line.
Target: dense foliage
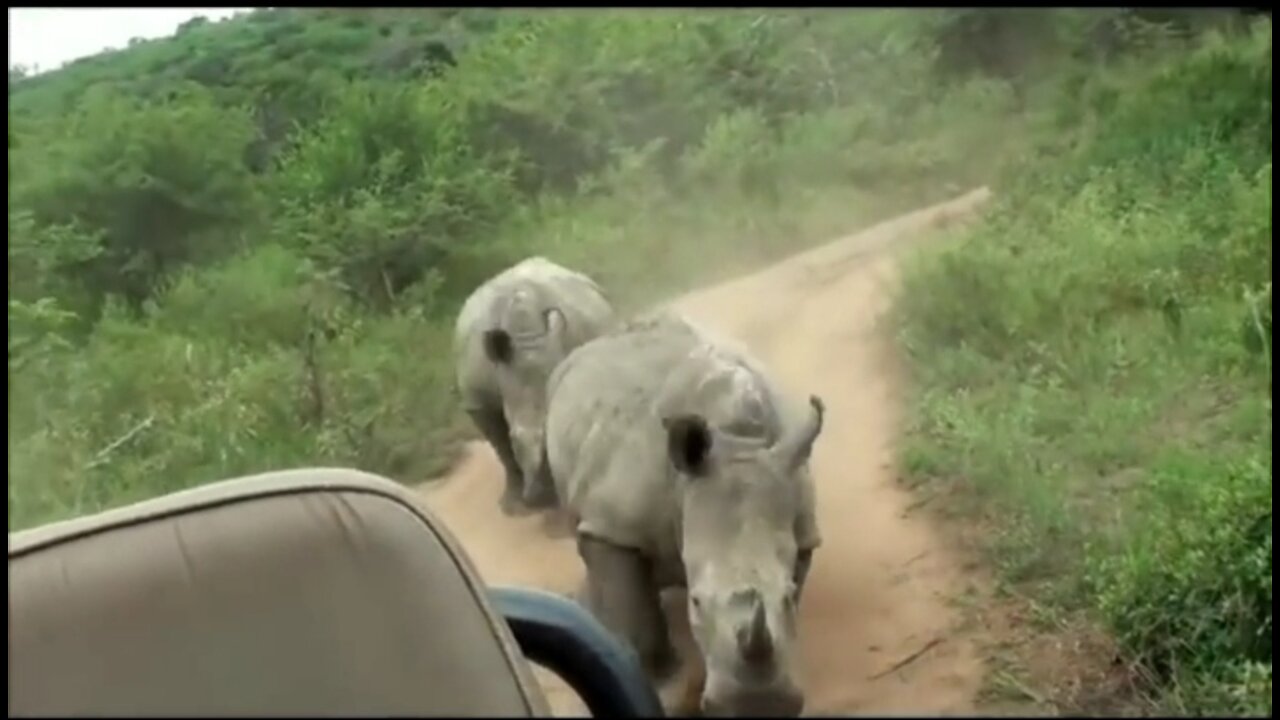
260	265
1095	361
242	248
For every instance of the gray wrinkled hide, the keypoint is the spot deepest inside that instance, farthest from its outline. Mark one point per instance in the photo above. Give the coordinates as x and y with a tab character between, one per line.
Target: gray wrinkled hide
507	401
735	539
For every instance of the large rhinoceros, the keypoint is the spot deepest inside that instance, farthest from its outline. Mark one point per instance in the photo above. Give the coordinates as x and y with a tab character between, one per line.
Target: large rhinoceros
510	334
681	466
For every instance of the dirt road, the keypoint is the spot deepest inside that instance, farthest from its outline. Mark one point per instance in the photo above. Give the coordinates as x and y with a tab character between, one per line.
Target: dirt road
878	630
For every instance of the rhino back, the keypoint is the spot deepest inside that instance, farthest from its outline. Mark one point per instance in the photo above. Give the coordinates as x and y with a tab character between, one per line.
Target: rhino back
605	438
587	311
605	441
569	286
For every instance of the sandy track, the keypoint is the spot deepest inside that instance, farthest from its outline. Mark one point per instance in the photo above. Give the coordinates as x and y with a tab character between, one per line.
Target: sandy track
881	584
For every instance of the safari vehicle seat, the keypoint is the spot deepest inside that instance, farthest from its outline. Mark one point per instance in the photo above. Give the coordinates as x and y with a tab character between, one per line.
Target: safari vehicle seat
317	592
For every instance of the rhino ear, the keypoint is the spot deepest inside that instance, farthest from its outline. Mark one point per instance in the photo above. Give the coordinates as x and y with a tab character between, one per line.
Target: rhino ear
689	444
498	347
554	320
795	448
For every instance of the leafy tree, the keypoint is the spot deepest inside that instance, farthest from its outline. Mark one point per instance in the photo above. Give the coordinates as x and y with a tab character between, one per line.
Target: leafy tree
162	184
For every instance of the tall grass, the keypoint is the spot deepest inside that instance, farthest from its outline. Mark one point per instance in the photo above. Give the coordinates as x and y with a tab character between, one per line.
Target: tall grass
1093	367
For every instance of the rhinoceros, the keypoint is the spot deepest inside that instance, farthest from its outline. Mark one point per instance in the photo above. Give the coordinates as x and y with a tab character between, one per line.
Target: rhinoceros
510	334
682	465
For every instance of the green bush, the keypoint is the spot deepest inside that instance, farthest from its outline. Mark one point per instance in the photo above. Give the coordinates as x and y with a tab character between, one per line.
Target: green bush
43	258
1193	592
1094	361
388	189
271	370
128	172
259	268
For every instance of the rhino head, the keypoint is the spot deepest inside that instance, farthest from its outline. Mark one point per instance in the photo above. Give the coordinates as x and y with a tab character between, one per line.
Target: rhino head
525	345
740	501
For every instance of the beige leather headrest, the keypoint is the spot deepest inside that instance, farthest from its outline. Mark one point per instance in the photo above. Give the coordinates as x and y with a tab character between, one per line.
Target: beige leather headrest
303	593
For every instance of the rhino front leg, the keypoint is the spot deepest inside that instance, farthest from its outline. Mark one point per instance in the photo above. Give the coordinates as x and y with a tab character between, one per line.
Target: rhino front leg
540	492
492	424
620	592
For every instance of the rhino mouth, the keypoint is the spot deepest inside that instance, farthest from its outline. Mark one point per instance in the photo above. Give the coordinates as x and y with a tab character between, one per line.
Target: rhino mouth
782	700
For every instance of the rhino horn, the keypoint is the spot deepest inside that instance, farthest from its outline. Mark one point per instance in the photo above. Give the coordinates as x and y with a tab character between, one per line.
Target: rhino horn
755	641
794	448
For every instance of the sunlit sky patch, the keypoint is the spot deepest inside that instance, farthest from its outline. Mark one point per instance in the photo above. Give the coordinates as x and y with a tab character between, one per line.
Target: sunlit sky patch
47	38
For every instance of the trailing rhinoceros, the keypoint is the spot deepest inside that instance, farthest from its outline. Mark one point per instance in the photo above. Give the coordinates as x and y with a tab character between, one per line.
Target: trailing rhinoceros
676	456
510	334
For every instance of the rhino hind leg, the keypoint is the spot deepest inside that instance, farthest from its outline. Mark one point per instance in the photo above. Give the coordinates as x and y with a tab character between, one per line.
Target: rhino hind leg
621	593
492	424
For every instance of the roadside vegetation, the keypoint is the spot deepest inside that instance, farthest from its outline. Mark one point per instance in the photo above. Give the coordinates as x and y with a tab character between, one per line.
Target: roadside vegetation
242	248
1093	367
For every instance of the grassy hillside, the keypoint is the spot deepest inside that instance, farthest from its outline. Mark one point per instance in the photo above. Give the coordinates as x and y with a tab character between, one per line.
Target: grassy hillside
281	59
242	248
181	310
1093	369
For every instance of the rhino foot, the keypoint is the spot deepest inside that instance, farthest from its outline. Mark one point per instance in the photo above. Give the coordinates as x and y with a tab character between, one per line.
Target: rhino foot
541	495
512	503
